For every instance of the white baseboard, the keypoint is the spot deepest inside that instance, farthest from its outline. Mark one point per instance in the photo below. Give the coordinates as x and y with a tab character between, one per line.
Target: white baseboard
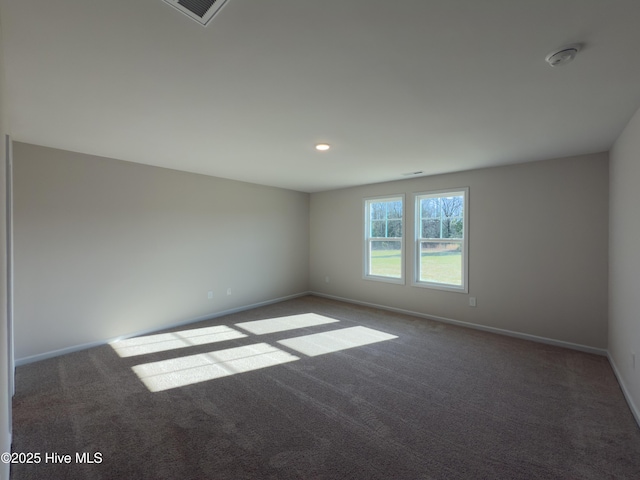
475	326
632	406
77	348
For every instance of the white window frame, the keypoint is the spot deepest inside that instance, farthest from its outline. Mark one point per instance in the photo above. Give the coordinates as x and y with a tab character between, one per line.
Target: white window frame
464	288
368	239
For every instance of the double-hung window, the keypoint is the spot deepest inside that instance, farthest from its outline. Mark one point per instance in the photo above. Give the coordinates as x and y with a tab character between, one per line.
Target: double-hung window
441	240
384	245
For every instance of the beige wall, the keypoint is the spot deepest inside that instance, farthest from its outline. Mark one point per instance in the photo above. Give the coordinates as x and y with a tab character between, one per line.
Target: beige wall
5	400
624	258
105	248
537	250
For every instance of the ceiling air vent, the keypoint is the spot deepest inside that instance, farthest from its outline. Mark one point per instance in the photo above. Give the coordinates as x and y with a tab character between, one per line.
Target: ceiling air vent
200	10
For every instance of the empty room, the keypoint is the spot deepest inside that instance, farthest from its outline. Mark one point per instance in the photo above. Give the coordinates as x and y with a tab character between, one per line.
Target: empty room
319	240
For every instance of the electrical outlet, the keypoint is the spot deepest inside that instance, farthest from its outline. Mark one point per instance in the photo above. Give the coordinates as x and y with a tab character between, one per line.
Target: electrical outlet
229	291
326	279
472	301
210	294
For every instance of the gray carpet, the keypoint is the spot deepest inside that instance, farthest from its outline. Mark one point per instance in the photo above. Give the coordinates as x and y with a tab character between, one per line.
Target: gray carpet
437	402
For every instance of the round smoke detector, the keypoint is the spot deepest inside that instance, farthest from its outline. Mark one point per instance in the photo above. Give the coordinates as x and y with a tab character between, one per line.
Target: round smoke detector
562	56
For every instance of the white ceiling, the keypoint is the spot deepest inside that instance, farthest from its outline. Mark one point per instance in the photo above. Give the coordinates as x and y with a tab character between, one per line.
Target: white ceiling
394	86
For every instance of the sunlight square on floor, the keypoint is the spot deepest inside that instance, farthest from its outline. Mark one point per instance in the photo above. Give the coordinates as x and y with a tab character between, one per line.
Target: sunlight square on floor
178	372
282	324
170	341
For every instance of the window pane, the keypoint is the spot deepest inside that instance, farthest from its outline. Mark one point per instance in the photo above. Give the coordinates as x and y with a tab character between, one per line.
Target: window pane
378	210
394	229
455	227
385	258
378	228
431	228
430	208
394	210
441	262
452	206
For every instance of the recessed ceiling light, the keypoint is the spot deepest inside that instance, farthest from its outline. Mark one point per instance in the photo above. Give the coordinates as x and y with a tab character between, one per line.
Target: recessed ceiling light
323	147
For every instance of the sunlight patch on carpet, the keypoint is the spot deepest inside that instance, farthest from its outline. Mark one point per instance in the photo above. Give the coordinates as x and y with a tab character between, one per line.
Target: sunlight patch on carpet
335	340
178	372
282	324
170	341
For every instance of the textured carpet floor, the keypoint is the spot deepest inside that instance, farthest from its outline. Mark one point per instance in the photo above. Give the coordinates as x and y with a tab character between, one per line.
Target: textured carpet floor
437	402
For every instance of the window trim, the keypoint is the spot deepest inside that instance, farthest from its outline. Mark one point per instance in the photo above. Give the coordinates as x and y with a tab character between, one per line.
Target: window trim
416	282
367	240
